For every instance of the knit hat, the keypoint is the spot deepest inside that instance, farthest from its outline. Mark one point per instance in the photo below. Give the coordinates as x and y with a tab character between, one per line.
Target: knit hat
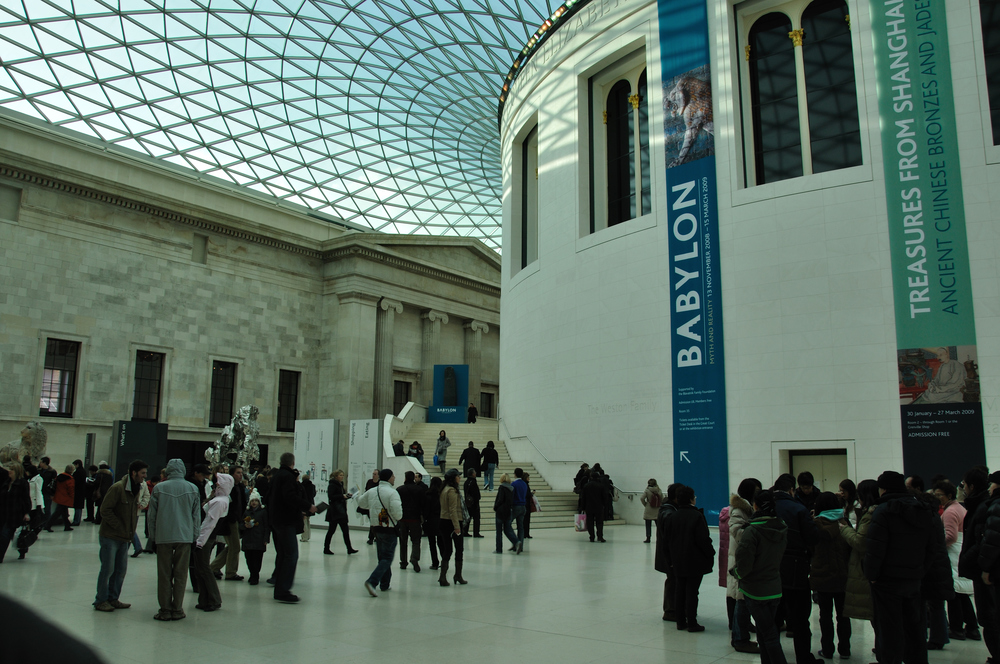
995	477
254	495
385	474
892	482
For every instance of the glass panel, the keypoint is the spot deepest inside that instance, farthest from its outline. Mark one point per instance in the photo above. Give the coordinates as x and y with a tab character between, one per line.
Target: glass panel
621	155
990	16
59	378
774	100
288	399
831	94
220	412
148	376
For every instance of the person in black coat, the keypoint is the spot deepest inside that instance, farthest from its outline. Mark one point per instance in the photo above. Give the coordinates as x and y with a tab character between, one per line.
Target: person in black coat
336	513
796	600
285	510
661	559
593	496
79	491
490	461
15	503
411	496
431	507
472	497
977	505
691	556
471	459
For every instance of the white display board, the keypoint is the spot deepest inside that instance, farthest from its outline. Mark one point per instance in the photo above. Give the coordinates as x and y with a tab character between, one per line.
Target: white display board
315	451
362	460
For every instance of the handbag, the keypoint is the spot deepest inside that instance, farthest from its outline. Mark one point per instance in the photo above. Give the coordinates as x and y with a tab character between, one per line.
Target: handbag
580	523
435	459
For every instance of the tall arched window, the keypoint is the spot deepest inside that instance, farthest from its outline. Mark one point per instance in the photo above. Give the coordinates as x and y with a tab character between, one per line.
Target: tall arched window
989	13
828	59
620	154
802	93
776	138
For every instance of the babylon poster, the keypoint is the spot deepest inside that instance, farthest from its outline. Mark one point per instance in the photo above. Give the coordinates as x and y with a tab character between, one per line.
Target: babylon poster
937	363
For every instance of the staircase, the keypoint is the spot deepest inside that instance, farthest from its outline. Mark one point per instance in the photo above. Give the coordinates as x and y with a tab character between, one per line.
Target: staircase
558	507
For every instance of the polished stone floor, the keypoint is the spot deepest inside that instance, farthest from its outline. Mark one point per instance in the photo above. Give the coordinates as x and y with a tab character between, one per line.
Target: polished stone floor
563	600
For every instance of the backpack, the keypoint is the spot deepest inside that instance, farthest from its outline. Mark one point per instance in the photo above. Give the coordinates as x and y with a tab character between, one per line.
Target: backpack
655	500
49	489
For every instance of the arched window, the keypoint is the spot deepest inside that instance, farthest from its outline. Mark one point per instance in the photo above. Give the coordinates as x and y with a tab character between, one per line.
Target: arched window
620	154
989	12
777	142
802	93
828	59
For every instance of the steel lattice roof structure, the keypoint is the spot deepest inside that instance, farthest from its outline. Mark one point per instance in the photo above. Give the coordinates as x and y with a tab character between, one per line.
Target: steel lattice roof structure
381	113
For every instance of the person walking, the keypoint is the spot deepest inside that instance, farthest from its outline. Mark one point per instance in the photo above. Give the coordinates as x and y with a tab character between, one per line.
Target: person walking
450	529
470	460
410	495
593	496
286	506
473	413
491	459
369	485
79	491
757	568
691	555
336	513
503	507
383	501
431	507
521	497
63	499
214	525
472	497
174	521
309	488
651	500
441	450
15	499
119	516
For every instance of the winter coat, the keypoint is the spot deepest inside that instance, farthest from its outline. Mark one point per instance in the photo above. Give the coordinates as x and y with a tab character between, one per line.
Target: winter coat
973	528
953	518
120	510
102	484
35	492
65	490
503	503
216	509
383	504
337	497
723	546
174	515
828	571
472	493
989	548
757	561
16	497
490	455
593	496
740	512
903	542
471	458
689	544
858	600
802	534
451	508
410	496
650	510
287	501
441	448
661	559
254	531
79	487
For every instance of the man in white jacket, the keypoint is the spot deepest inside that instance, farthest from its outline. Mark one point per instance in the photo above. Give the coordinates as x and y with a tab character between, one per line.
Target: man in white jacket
386	510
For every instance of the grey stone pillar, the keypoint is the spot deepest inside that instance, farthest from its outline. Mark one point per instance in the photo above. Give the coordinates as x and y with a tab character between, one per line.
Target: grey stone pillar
385	321
430	352
474	331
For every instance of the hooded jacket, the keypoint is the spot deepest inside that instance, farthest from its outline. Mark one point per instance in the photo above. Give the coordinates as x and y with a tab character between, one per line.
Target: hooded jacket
828	572
253	529
504	501
217	508
858	597
65	490
382	497
120	510
758	558
174	515
902	544
740	513
661	560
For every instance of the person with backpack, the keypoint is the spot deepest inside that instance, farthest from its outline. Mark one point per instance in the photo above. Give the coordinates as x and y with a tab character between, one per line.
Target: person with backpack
651	500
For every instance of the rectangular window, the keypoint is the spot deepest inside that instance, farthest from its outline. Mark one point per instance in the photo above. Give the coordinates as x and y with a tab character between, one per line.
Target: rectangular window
400	395
220	412
288	399
525	198
59	378
989	15
148	378
486	404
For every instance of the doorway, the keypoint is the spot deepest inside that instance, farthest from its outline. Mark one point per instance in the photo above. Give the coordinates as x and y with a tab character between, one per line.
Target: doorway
828	467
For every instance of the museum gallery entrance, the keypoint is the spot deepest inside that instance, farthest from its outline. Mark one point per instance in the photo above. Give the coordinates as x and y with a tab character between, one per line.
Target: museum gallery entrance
828	467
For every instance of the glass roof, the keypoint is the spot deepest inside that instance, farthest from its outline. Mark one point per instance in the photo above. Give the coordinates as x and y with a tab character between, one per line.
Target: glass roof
379	113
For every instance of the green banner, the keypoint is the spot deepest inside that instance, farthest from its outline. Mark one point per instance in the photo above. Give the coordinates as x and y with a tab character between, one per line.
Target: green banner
937	361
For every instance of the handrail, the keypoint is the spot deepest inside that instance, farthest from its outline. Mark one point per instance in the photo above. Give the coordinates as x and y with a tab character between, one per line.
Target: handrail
530	442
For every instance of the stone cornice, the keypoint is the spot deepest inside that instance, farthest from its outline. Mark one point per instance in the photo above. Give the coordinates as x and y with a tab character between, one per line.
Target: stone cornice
38	180
374	254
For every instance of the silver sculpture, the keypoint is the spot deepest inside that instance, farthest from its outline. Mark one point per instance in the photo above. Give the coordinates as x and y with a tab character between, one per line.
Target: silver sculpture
240	437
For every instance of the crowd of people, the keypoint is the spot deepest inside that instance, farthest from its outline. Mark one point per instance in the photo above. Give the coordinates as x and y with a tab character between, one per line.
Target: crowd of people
910	560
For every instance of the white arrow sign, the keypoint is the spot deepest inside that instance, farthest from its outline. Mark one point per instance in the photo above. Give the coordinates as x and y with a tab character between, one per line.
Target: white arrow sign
684	456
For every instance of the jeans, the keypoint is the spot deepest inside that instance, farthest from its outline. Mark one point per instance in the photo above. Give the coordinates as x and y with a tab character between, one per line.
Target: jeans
488	476
827	602
741	622
504	528
136	543
114	564
763	612
77	515
902	625
649	529
286	559
518	513
385	546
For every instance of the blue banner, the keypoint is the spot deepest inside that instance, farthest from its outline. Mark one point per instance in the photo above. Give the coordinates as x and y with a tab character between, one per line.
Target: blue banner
697	367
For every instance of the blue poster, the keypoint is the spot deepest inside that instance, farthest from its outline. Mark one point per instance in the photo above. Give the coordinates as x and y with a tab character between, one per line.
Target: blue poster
697	367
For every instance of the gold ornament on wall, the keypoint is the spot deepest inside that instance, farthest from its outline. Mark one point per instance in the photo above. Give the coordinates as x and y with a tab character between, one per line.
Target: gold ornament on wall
797	36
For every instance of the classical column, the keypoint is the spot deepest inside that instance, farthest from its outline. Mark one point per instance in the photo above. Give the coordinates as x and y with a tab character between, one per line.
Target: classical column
430	352
385	320
474	331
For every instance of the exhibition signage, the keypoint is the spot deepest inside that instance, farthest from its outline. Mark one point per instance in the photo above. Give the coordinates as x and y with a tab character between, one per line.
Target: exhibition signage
938	367
697	368
363	459
315	449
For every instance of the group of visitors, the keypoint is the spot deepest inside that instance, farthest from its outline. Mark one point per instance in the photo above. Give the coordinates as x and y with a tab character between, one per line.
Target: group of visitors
885	550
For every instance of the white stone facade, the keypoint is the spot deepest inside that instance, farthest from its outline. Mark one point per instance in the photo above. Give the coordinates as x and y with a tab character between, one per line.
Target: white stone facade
807	292
102	248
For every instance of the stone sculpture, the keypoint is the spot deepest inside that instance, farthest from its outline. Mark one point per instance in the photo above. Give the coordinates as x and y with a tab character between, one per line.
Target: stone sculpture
34	440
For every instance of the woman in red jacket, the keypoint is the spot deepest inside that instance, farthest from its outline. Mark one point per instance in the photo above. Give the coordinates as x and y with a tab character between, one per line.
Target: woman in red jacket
63	498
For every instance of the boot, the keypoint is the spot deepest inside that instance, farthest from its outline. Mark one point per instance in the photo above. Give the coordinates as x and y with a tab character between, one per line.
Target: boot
443	577
458	573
